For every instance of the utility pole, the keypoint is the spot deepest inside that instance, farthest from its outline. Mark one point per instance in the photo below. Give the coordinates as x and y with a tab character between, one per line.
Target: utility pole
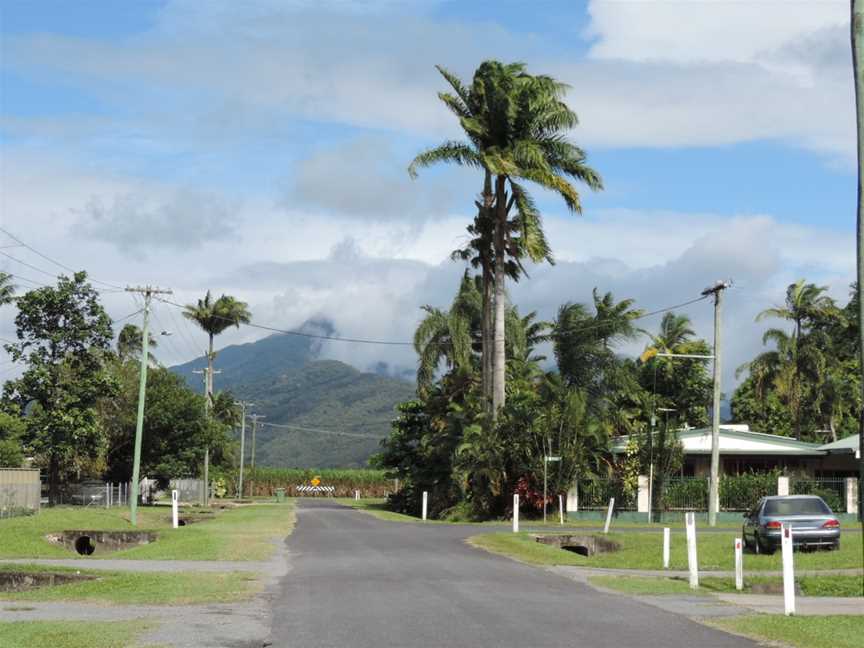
254	418
243	406
148	292
208	402
714	487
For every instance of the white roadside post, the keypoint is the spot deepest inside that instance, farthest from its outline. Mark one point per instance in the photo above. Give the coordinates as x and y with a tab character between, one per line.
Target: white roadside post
561	509
425	503
788	570
692	559
356	495
666	548
609	515
107	495
175	513
515	512
739	565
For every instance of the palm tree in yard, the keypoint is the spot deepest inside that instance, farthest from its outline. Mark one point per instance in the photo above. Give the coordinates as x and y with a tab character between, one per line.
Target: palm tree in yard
448	336
805	302
215	317
516	126
129	344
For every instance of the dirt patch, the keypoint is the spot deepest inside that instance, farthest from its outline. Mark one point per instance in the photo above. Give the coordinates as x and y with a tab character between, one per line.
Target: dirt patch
87	543
23	581
585	545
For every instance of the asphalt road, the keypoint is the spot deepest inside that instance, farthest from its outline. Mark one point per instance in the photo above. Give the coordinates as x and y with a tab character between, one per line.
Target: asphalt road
360	582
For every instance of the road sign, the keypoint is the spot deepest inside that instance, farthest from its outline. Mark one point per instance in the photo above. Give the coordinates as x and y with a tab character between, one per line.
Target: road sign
553	458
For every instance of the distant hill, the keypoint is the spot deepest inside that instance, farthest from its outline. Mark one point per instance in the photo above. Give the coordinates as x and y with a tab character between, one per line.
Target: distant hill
289	384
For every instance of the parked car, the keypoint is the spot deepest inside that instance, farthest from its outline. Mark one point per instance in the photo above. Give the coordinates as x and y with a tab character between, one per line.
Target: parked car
812	522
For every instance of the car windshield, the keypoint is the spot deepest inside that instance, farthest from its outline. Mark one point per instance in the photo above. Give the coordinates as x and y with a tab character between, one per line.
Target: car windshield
803	506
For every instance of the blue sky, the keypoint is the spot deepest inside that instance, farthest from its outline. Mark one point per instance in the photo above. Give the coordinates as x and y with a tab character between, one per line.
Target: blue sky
144	139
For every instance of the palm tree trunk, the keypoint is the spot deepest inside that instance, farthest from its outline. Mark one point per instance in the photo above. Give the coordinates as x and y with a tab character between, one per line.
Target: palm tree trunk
857	34
499	374
488	318
488	295
208	400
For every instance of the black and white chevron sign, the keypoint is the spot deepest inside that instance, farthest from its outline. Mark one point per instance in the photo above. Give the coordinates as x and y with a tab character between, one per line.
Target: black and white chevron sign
316	489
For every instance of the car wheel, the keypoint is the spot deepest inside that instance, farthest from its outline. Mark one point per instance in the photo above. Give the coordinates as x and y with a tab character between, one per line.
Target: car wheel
762	548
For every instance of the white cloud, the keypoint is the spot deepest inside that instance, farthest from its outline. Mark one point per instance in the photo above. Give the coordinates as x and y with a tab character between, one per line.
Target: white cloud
659	74
695	31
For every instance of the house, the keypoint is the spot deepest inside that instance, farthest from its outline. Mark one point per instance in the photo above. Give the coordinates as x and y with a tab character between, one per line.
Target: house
743	450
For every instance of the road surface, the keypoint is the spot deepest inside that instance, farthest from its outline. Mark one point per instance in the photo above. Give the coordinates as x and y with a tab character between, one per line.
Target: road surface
360	582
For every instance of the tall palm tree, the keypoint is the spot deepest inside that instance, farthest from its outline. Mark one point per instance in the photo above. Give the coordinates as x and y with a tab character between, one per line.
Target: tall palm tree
7	290
214	318
805	302
675	336
857	37
516	127
129	344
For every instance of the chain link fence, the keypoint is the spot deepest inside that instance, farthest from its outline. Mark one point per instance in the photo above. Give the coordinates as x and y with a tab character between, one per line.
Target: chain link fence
830	489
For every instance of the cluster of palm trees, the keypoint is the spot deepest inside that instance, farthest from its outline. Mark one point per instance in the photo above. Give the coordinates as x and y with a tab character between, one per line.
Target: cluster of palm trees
516	126
811	371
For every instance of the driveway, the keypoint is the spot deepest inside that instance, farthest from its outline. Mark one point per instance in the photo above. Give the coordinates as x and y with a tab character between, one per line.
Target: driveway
360	582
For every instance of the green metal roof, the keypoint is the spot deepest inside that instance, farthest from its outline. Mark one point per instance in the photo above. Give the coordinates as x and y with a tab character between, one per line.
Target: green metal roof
850	444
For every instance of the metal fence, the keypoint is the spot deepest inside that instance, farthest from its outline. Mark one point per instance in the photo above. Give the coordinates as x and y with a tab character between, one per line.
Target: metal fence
595	495
20	492
830	489
94	493
189	491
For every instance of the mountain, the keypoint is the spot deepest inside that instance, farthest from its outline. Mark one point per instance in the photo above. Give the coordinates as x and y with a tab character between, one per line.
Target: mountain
290	385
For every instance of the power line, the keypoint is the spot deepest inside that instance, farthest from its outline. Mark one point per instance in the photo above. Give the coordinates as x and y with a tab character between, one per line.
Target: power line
50	260
639	317
301	334
184	332
318	431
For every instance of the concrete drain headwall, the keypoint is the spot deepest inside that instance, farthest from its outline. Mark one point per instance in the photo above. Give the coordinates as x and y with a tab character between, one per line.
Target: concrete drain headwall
585	545
86	543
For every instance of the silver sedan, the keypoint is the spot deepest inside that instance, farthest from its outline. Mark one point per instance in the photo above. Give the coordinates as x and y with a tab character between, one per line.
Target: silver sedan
810	518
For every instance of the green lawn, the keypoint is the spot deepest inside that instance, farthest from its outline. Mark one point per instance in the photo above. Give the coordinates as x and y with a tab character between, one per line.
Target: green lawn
810	585
140	588
799	631
244	533
70	634
644	551
378	508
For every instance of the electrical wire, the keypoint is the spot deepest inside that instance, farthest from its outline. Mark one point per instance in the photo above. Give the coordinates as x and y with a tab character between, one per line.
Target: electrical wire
639	317
300	428
50	260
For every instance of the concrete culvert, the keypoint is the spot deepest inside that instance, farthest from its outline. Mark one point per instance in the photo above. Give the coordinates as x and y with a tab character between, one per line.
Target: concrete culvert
578	549
84	546
181	522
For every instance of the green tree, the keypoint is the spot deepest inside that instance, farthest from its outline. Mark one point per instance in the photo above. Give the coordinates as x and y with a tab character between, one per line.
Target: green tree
679	383
516	126
129	344
448	336
805	304
7	289
176	428
64	334
12	431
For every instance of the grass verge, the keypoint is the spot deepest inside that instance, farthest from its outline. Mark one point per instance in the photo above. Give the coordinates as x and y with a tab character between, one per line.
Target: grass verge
70	634
644	551
141	588
798	631
244	533
378	508
810	585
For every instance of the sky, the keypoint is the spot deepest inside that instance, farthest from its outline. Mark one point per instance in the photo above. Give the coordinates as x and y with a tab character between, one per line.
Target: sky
259	149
